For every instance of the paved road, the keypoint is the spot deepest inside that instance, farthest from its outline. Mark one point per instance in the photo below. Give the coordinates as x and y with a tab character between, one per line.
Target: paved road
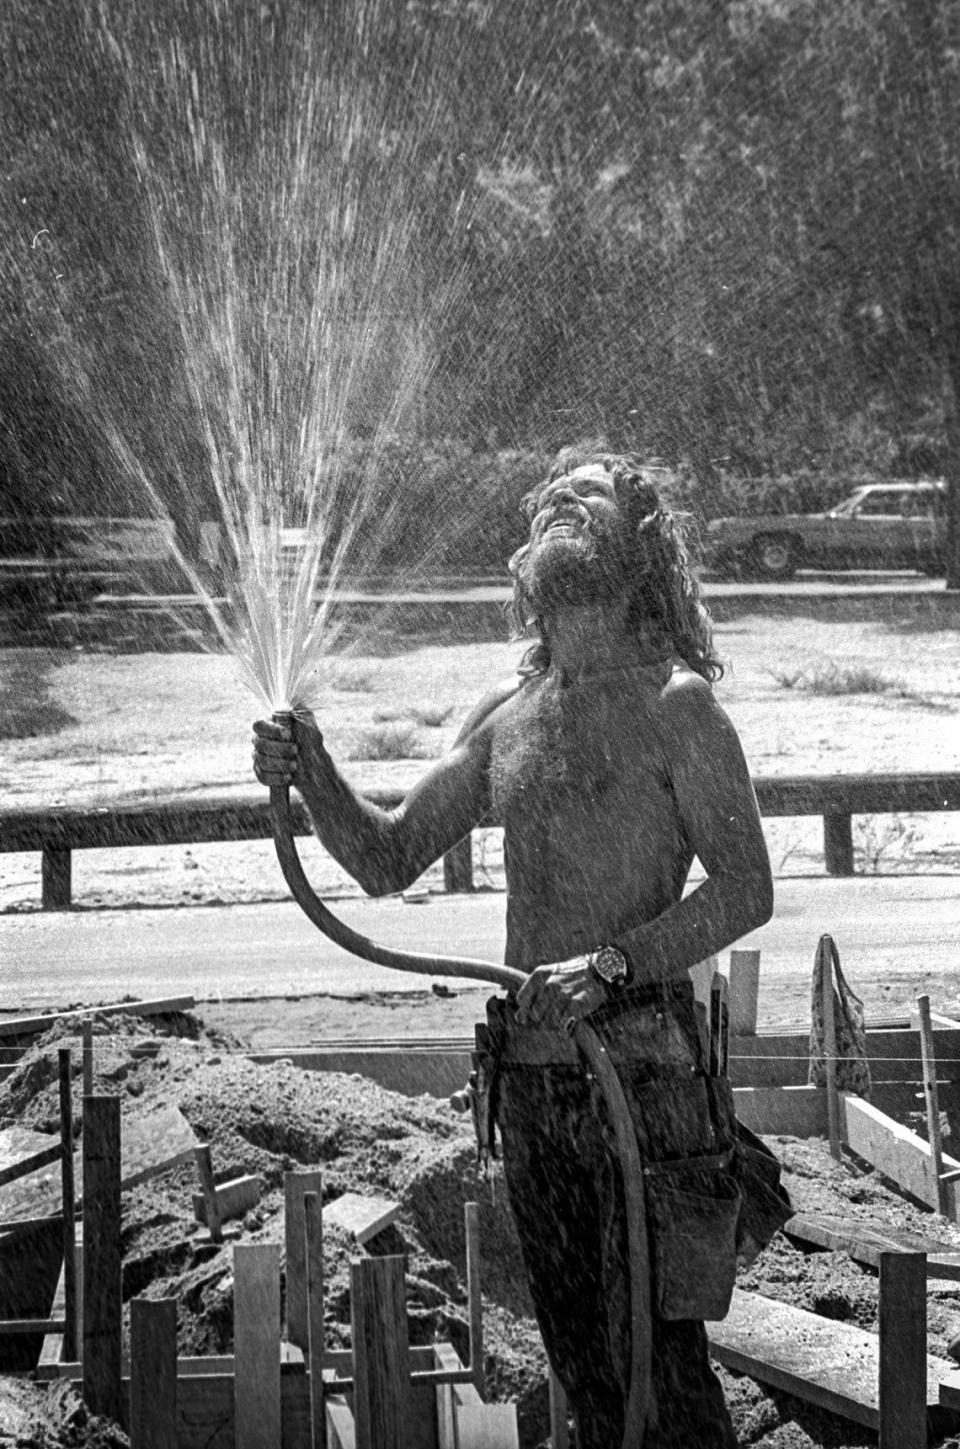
893	932
806	585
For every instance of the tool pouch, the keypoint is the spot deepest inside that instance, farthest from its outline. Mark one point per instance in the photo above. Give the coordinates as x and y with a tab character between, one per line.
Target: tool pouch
765	1205
692	1211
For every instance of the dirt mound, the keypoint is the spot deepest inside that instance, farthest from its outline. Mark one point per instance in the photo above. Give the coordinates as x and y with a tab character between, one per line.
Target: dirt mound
270	1119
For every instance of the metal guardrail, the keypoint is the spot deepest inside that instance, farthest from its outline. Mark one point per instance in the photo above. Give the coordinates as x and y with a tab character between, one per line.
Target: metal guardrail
57	833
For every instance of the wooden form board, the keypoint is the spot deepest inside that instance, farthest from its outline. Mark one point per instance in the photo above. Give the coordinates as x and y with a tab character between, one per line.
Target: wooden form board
410	1070
896	1152
51	1350
153	1373
902	1369
231	1199
835	1365
364	1217
102	1258
379	1334
256	1333
782	1058
802	1111
151	1142
206	1412
866	1241
32	1025
296	1185
464	1421
774	1059
23	1152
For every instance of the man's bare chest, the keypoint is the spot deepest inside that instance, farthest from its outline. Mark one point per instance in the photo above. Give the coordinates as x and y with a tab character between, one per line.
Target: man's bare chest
565	756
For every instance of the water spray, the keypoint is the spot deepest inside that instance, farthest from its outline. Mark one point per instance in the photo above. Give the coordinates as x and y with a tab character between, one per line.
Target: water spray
640	1399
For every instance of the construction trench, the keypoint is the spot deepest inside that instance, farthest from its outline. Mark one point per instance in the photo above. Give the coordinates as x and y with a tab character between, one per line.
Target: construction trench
255	1227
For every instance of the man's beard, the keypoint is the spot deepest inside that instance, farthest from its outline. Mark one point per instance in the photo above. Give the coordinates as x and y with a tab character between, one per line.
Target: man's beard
567	569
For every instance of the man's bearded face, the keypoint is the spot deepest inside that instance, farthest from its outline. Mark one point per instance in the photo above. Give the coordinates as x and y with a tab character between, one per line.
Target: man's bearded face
577	551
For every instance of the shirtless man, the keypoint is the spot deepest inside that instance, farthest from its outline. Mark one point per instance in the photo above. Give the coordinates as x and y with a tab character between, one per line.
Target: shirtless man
611	766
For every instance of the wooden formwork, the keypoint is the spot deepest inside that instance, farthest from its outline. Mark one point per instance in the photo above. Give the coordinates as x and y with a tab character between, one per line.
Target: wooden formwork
281	1388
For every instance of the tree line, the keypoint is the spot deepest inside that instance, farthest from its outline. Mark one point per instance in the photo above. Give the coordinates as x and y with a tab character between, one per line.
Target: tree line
722	233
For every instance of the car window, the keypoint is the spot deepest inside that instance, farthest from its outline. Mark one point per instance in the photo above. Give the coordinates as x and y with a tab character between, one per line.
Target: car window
919	504
888	504
848	507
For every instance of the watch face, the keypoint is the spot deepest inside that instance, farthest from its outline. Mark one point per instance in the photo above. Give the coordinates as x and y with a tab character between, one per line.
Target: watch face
610	964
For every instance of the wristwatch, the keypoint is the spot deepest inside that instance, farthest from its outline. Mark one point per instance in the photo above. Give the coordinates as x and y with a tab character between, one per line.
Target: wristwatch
609	965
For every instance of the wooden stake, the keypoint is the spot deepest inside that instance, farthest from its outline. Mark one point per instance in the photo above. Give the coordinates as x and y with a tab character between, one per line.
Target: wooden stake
153	1373
381	1368
744	991
87	1036
933	1101
69	1204
830	1049
208	1186
903	1351
471	1221
559	1430
313	1252
256	1337
295	1185
102	1309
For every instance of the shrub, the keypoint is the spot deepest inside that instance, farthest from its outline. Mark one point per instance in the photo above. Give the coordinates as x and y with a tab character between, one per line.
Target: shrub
354	681
388	742
830	679
433	716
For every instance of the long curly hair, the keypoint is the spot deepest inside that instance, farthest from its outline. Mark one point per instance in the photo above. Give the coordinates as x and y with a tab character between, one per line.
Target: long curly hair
664	593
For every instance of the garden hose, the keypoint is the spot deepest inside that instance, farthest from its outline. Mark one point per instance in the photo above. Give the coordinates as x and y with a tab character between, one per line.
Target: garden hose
639	1400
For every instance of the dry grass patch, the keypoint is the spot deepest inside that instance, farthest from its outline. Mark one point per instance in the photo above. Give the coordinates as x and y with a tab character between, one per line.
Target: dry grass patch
833	680
390	741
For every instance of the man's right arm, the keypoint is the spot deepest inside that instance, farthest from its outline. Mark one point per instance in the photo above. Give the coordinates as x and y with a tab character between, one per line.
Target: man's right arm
384	850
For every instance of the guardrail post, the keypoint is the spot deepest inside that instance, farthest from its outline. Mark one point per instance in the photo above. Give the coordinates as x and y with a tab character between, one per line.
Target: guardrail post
838	842
55	878
458	866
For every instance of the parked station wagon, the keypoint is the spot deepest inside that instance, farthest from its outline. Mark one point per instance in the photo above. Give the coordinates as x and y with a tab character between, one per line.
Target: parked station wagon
880	526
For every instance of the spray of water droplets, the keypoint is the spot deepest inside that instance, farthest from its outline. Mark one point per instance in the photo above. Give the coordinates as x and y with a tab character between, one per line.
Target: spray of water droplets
275	175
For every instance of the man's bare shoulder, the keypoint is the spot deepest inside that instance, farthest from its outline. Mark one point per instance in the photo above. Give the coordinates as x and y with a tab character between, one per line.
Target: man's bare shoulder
486	711
685	689
693	725
687	702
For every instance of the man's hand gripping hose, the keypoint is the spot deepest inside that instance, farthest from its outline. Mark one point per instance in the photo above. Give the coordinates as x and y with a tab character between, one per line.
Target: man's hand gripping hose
640	1408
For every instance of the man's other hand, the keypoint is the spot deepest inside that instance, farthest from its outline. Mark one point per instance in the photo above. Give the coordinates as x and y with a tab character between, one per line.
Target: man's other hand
559	995
282	754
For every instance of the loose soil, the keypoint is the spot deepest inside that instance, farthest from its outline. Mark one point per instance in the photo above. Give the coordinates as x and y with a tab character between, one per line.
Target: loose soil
270	1119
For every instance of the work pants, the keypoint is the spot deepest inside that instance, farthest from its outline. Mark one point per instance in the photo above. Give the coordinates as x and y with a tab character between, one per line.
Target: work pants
566	1194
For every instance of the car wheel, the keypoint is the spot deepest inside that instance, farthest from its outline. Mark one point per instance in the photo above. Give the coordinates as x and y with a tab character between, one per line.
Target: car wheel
774	556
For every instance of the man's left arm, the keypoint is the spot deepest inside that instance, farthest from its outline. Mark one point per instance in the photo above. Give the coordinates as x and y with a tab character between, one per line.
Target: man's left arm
718	811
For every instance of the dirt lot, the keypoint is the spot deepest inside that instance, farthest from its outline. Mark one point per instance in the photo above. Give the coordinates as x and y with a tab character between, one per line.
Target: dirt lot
807	695
416	1151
